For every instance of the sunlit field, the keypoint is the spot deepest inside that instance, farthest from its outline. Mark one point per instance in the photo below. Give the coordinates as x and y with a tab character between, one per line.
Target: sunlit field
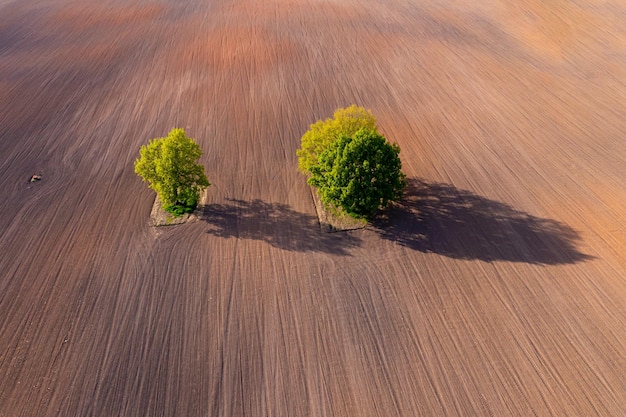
495	287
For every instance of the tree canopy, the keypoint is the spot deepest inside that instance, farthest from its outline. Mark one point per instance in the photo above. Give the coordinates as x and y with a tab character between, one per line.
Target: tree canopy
169	166
359	174
322	134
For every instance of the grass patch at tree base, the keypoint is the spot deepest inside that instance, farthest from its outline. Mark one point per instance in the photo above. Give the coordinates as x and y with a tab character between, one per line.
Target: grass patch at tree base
332	219
160	217
179	210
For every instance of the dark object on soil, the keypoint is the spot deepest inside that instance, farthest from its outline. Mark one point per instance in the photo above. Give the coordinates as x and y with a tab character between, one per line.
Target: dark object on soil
35	177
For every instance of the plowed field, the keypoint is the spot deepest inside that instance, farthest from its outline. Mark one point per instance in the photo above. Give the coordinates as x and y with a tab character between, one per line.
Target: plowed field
497	287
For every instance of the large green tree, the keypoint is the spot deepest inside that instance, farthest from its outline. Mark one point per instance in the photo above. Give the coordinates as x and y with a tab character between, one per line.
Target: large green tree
323	133
359	174
170	168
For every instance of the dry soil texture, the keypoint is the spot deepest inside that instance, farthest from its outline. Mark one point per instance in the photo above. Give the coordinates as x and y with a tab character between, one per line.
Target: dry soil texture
496	288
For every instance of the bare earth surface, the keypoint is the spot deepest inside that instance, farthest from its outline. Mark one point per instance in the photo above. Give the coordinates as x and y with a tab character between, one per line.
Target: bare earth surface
496	288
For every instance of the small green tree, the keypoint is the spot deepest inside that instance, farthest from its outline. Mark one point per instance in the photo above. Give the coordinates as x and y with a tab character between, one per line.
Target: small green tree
169	166
359	174
323	133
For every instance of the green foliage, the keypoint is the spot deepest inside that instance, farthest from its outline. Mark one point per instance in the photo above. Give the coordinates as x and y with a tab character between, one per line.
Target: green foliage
359	174
322	134
169	166
178	210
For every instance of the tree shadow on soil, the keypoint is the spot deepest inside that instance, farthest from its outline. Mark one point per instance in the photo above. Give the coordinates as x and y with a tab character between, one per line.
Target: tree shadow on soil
440	218
276	224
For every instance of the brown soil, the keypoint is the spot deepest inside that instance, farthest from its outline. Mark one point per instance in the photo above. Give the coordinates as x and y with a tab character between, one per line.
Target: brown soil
497	287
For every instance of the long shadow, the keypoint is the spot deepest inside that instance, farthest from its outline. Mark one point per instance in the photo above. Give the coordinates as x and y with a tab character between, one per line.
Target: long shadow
276	224
440	218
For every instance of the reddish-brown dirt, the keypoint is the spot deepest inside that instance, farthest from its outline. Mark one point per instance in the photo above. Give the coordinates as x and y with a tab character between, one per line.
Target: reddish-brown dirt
497	287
